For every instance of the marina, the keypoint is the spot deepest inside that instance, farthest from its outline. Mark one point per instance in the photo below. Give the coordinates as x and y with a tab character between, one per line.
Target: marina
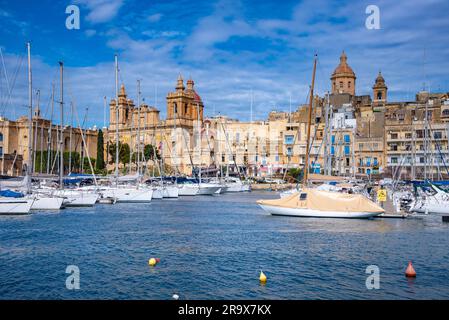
224	150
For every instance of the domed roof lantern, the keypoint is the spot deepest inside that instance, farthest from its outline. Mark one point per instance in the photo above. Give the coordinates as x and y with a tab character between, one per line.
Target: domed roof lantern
180	84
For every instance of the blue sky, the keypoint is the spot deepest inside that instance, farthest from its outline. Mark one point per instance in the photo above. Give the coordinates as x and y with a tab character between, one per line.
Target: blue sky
230	49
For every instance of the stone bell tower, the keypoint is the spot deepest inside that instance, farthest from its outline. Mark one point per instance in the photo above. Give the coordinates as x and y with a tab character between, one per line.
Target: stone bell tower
380	90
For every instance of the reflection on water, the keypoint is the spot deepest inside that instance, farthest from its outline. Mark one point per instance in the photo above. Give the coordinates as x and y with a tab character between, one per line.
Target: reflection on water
214	248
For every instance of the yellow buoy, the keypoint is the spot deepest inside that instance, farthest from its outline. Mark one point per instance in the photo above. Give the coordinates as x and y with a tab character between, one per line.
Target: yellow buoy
262	277
152	262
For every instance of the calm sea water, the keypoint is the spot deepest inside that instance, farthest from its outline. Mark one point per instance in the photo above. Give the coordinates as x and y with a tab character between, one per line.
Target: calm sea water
214	248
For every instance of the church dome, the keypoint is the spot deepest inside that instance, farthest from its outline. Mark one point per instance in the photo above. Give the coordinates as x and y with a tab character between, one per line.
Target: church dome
196	97
343	69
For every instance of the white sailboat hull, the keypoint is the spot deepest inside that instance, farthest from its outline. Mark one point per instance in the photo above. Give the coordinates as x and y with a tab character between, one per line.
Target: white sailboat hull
170	192
188	189
304	212
47	203
15	205
77	198
436	208
208	189
157	193
129	194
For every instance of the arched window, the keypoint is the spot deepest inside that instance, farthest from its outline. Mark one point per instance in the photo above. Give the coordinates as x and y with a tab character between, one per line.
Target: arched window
379	95
175	108
66	144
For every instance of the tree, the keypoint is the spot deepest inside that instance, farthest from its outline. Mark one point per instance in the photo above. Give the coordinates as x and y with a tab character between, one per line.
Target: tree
123	152
149	151
295	173
99	165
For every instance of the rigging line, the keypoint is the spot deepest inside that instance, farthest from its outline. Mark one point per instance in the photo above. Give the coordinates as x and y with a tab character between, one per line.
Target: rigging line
5	73
19	63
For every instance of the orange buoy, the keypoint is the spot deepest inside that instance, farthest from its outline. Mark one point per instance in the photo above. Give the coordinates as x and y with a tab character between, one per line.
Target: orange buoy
410	272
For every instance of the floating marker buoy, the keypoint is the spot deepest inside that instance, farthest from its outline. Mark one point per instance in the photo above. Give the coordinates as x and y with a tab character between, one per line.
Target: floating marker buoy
262	277
410	272
158	260
175	296
152	262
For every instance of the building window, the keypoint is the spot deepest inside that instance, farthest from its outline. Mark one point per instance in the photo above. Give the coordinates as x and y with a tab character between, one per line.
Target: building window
1	137
333	139
393	147
341	84
332	150
276	158
438	135
347	150
394	136
237	137
445	113
375	162
360	146
408	135
1	151
289	139
347	138
394	160
368	161
289	151
175	108
347	162
349	84
375	145
303	196
223	158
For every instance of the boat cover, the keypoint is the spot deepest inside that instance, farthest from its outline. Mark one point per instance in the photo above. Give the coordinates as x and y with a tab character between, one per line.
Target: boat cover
10	194
326	201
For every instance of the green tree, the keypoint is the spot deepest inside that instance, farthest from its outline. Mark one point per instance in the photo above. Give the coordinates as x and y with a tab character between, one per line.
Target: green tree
295	173
123	152
149	151
99	164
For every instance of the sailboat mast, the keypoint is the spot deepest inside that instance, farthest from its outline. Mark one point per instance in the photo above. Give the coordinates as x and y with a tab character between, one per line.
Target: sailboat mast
49	153
70	138
61	138
306	164
116	122
30	106
199	138
36	128
138	128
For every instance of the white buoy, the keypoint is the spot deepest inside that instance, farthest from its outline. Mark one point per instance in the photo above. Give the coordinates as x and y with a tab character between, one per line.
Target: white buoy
175	296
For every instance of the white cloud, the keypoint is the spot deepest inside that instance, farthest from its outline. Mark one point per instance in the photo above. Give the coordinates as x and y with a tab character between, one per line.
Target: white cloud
90	32
155	17
101	11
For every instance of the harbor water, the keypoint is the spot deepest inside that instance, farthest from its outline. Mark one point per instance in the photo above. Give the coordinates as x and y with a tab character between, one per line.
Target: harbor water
214	248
